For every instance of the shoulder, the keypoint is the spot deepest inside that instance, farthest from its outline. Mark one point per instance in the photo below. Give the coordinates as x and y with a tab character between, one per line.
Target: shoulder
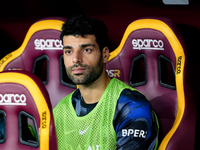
134	121
133	99
132	105
129	94
132	95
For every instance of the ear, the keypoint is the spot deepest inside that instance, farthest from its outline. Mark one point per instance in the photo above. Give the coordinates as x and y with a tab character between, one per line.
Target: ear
105	54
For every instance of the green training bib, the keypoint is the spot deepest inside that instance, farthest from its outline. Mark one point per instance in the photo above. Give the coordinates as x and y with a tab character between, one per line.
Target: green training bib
91	132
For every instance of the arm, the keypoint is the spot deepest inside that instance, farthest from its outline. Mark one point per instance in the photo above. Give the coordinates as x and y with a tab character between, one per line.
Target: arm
134	122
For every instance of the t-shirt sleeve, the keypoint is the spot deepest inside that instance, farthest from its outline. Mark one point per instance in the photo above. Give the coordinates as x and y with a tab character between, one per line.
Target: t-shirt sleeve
134	122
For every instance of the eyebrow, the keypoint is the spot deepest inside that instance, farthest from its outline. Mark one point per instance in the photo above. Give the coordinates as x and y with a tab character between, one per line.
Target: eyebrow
86	45
81	46
67	47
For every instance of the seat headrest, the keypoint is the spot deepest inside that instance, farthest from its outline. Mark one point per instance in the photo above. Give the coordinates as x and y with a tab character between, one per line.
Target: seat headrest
26	110
151	58
152	37
41	53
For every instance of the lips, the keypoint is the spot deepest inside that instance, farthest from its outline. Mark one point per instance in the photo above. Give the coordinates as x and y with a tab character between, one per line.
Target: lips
78	70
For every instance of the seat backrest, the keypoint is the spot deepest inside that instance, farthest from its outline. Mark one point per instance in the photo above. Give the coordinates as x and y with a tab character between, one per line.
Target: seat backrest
41	53
151	58
26	119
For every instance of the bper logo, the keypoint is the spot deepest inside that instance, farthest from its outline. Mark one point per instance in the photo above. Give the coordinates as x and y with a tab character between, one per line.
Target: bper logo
12	99
48	44
134	133
148	44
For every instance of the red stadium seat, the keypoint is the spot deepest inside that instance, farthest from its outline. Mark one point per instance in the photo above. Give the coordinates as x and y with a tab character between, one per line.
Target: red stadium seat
41	53
26	118
152	58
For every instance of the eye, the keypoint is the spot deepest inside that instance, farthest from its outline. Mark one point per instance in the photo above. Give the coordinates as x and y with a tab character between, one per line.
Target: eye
87	50
68	52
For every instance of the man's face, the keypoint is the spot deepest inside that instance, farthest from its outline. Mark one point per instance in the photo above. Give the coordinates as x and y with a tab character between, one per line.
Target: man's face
82	59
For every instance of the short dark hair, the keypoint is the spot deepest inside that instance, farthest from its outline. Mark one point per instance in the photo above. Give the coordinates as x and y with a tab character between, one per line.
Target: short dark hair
83	25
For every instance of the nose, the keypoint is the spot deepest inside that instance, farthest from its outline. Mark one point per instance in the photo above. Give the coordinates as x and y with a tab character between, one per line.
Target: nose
77	57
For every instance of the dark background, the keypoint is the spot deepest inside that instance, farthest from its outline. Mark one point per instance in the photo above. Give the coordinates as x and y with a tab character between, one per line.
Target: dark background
16	16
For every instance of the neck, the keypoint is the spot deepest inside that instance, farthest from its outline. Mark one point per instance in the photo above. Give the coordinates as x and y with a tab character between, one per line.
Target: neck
92	93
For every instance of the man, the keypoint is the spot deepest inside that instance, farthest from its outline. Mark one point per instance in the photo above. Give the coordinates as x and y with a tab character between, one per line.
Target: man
103	113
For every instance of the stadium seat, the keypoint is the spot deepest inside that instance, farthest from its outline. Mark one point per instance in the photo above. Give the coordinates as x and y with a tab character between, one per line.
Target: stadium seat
41	53
26	118
152	58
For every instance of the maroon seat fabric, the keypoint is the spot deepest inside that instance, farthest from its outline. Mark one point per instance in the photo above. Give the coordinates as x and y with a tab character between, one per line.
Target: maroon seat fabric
41	53
25	113
152	58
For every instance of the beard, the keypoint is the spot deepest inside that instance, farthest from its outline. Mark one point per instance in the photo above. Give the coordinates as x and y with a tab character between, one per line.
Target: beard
91	74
